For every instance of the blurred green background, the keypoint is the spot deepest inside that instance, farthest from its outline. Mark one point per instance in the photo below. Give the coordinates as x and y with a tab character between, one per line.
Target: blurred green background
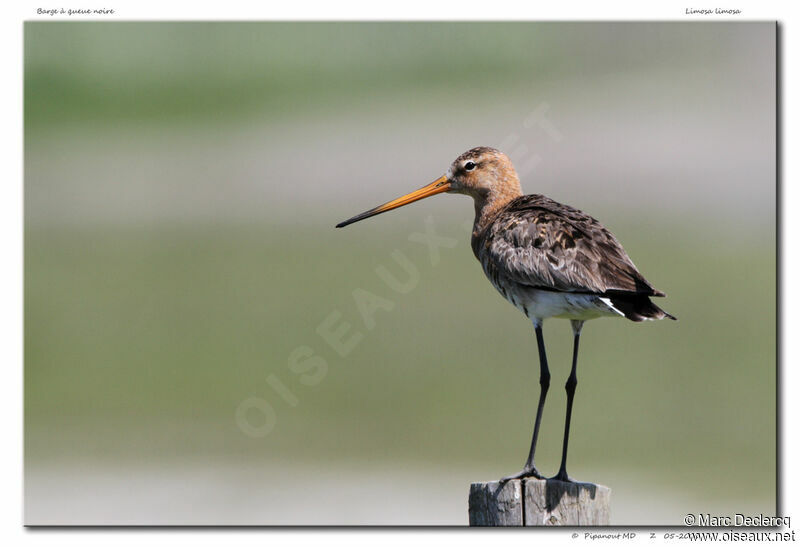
182	181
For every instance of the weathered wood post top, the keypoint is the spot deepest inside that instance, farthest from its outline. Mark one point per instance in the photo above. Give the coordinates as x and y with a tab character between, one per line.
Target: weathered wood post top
538	502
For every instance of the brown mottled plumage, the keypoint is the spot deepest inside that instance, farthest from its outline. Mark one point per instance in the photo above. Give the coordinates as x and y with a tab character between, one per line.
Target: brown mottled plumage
532	242
547	259
540	243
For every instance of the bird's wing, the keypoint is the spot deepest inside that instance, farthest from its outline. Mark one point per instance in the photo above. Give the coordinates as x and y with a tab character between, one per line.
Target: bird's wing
541	243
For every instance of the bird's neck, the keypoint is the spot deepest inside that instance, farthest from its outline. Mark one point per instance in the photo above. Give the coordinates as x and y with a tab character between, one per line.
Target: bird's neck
488	204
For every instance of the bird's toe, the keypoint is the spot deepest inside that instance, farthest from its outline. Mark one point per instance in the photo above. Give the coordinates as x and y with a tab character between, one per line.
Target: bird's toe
526	473
563	477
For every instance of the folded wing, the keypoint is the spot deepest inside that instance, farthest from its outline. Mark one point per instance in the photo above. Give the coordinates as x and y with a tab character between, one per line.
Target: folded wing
541	243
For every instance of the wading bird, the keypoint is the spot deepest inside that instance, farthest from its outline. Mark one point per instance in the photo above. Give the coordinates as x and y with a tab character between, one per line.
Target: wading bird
547	259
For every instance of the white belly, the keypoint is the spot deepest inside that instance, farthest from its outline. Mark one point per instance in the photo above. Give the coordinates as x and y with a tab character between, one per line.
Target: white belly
541	304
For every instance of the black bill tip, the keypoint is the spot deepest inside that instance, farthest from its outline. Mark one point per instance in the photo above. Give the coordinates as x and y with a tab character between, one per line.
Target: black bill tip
348	222
362	216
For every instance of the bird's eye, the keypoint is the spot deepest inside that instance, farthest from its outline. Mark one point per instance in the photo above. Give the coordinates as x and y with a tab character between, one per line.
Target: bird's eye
469	166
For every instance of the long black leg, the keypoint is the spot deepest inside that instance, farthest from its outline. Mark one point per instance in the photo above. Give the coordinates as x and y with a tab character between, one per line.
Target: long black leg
544	384
572	382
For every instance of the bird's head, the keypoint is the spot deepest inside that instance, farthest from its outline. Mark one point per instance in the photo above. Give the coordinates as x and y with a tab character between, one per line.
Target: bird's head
483	173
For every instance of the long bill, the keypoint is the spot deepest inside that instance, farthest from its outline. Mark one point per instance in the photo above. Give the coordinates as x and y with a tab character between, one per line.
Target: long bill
436	187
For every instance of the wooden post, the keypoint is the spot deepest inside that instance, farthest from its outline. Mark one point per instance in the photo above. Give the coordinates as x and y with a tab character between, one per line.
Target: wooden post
495	504
536	502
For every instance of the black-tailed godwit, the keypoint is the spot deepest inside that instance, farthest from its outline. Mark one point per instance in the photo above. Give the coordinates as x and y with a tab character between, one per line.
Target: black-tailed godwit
547	259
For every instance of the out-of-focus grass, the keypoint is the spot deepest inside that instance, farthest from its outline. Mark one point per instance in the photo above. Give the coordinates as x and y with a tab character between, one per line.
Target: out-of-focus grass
172	72
140	343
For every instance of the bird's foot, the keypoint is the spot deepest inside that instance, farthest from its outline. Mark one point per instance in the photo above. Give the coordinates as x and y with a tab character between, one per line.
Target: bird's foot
528	472
562	476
